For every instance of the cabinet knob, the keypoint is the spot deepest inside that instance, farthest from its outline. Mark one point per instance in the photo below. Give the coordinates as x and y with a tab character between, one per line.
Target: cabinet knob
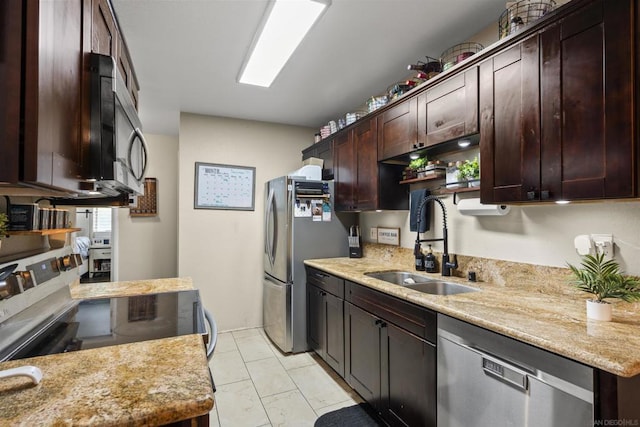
531	195
439	123
545	195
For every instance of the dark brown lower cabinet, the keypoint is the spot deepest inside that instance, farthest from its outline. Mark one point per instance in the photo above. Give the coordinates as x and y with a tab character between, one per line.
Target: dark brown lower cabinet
408	384
391	368
325	326
363	341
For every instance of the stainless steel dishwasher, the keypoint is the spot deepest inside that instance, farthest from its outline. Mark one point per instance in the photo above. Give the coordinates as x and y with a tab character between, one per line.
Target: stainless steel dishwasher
487	379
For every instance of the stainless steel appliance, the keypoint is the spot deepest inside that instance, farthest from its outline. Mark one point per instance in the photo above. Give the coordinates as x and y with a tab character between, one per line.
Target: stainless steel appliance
487	379
118	151
39	317
299	224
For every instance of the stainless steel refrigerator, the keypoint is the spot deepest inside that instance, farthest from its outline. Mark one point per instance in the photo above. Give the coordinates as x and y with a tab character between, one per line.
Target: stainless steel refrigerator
300	224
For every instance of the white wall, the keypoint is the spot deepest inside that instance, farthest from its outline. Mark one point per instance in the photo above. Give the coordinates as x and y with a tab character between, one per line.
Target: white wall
148	246
541	234
222	249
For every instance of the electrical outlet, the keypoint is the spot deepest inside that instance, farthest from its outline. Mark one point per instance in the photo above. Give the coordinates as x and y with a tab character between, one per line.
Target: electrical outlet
603	244
373	233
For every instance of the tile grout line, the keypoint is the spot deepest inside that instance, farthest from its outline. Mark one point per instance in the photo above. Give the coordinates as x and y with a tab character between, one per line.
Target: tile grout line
253	383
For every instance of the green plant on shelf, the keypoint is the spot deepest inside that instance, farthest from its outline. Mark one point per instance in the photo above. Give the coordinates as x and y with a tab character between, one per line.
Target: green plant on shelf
603	279
469	170
418	163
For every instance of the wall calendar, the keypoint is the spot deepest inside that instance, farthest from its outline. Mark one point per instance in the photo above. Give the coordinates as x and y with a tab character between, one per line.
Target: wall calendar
220	186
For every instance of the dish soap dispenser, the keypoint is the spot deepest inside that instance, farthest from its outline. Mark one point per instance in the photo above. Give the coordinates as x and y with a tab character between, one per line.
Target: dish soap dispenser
430	262
417	253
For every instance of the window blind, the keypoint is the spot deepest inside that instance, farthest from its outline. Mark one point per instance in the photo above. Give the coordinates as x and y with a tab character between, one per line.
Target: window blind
101	220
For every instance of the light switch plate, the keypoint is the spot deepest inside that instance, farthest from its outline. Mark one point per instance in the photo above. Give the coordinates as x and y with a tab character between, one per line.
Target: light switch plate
373	234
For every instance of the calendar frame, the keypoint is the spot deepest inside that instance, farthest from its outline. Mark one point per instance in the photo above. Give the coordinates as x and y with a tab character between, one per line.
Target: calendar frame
246	173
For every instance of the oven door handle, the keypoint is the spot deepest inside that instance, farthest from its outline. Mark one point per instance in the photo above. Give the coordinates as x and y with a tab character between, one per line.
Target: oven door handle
24	371
213	333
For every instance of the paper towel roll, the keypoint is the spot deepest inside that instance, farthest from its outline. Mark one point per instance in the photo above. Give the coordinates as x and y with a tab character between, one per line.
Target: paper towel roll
475	208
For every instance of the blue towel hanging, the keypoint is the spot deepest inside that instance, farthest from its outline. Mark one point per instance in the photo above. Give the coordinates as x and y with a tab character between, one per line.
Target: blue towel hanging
415	200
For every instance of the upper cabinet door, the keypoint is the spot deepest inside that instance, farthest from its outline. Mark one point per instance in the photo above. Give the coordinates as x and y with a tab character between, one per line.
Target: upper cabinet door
344	171
449	110
52	93
365	142
588	141
509	124
104	37
397	130
10	83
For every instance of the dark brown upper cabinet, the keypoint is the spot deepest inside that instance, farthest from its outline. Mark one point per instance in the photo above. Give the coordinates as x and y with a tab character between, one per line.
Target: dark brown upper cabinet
11	54
510	123
322	150
52	82
344	171
449	110
365	140
397	129
557	117
104	34
362	183
587	99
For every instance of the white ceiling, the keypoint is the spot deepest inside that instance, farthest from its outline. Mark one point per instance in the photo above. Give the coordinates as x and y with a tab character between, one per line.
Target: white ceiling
188	53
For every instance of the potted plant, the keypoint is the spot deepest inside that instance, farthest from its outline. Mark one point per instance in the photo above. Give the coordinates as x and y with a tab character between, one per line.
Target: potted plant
418	165
604	280
4	225
469	171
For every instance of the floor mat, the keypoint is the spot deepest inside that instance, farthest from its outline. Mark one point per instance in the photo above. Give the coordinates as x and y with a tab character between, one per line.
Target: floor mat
352	416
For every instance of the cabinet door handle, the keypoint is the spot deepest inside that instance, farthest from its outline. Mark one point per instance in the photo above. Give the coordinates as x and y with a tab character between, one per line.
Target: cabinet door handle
439	123
545	194
383	324
531	195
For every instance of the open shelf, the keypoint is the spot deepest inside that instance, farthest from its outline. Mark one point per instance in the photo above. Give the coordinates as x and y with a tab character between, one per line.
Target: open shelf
48	232
426	178
458	190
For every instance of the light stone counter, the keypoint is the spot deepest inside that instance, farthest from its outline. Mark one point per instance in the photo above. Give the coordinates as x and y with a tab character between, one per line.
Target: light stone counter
146	383
129	288
541	310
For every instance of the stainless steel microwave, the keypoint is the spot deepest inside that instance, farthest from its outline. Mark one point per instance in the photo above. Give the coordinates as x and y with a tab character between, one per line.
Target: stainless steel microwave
118	151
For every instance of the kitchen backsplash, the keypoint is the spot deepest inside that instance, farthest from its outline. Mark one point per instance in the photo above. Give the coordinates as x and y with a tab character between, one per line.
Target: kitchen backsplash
502	273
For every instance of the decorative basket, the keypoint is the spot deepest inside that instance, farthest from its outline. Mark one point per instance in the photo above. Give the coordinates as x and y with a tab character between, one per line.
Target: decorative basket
518	14
458	53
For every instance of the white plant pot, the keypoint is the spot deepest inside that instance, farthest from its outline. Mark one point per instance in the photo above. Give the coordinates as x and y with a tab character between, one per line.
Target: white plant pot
598	310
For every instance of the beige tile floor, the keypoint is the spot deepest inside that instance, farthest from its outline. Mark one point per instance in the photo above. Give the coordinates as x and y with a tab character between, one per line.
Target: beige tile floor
259	386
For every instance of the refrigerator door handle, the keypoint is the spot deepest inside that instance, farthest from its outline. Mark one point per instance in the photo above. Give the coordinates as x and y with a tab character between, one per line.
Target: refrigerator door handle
270	239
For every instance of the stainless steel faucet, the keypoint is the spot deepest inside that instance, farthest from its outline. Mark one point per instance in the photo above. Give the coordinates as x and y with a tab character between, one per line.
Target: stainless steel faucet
447	265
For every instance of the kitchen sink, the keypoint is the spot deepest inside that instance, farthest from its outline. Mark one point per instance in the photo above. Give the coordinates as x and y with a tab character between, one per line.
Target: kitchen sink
421	283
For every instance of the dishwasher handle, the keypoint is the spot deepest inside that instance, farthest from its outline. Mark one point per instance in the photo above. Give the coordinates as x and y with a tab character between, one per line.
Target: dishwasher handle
505	372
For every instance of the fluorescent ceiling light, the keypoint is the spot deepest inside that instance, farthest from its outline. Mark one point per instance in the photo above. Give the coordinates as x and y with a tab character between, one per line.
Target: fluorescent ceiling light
285	24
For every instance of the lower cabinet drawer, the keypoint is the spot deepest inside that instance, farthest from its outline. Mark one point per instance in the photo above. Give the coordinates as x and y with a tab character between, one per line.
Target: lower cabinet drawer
415	319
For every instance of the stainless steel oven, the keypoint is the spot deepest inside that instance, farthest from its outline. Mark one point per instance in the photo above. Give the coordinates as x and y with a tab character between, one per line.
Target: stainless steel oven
43	319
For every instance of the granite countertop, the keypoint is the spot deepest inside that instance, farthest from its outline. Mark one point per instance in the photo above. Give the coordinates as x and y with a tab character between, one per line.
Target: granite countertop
144	383
129	288
549	316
